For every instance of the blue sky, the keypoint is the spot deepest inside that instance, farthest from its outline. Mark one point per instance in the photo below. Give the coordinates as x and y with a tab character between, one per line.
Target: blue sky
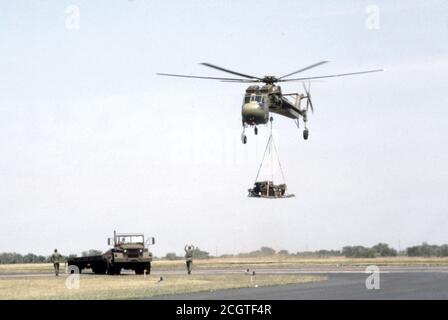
92	140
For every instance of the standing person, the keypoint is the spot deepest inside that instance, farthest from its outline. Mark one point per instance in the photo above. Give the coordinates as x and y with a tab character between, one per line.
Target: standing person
56	259
189	249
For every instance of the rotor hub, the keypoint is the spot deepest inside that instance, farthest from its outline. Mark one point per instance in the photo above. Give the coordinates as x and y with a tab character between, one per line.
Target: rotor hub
270	79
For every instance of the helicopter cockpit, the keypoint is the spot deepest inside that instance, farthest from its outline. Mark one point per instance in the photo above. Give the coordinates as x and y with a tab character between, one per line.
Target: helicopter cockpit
248	98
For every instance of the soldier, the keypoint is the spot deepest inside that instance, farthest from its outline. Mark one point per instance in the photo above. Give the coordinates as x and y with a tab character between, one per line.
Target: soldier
56	259
189	256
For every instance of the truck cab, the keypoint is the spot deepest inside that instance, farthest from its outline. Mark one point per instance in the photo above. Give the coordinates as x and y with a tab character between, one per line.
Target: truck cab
129	252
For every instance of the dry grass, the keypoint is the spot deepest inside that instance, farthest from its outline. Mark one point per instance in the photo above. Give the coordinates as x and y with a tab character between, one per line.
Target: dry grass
242	263
279	261
129	286
28	268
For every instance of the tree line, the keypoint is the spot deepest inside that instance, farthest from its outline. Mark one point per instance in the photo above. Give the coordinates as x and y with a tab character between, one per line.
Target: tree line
378	250
13	257
383	250
197	254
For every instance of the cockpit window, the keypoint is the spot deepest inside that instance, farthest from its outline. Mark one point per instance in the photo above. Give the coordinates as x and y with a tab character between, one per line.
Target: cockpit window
253	97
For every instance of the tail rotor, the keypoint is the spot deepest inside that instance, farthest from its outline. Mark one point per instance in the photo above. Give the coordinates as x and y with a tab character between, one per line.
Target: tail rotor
309	102
309	106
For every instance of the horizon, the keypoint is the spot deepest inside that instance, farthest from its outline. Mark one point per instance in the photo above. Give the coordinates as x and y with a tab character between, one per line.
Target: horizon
399	250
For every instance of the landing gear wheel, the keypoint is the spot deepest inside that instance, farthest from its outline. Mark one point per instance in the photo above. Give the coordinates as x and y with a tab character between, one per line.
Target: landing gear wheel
244	138
305	134
99	270
256	130
112	270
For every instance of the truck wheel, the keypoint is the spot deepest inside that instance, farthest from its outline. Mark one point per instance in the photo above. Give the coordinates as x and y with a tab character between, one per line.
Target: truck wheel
117	270
139	270
148	269
110	270
101	270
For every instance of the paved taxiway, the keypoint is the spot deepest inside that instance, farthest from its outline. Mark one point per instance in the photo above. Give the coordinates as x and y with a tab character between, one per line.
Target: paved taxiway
341	286
396	282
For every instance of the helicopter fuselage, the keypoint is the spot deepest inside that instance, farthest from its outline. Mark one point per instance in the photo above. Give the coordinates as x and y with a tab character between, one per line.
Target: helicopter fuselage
255	113
259	101
255	109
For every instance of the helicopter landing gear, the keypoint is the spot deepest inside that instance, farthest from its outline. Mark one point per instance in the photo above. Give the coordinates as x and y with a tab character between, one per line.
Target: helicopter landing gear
243	138
305	134
255	130
243	135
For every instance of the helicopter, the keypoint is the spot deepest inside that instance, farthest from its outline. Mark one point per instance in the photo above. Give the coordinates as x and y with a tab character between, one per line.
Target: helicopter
261	100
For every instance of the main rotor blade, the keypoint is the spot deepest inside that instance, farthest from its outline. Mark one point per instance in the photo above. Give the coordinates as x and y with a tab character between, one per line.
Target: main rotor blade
306	68
242	81
229	71
197	77
331	76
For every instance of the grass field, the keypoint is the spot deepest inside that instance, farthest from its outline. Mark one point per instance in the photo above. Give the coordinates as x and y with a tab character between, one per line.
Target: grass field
130	286
276	261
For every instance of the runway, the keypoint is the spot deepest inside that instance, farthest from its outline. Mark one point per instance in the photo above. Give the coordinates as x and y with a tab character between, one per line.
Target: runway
340	286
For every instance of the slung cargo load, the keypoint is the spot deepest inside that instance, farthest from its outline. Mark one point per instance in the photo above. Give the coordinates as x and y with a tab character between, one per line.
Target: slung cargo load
266	187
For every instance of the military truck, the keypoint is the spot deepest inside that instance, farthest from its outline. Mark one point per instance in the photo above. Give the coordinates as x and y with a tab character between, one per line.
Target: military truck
129	252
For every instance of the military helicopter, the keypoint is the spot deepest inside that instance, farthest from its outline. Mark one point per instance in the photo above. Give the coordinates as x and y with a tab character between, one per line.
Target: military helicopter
259	101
